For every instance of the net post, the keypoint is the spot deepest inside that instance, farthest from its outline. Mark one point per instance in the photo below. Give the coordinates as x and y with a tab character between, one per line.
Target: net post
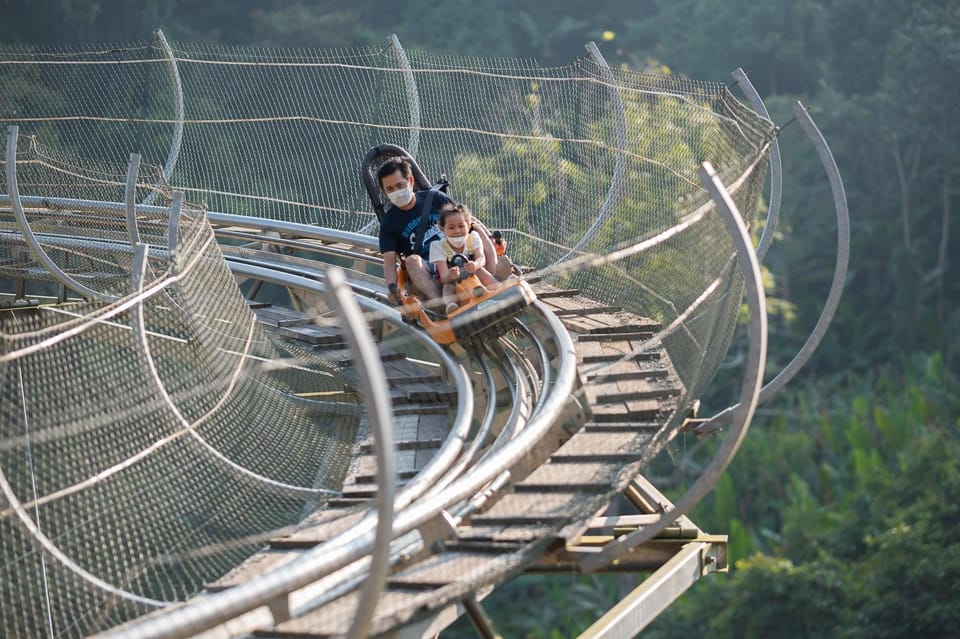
173	228
840	265
174	71
750	386
776	166
413	94
31	239
130	198
376	397
619	167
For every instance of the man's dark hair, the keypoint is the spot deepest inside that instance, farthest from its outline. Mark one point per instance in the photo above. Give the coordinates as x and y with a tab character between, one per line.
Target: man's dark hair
392	166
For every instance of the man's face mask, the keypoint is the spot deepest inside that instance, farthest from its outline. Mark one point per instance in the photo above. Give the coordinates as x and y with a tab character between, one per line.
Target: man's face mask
401	197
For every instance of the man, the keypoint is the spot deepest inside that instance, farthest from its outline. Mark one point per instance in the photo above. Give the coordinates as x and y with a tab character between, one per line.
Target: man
401	224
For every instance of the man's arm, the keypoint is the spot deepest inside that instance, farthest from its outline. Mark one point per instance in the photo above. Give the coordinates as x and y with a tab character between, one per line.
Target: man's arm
390	272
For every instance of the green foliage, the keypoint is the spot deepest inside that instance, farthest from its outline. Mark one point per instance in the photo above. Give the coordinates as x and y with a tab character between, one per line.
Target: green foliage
867	520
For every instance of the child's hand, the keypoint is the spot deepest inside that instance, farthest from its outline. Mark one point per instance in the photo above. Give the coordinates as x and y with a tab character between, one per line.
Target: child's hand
453	273
471	267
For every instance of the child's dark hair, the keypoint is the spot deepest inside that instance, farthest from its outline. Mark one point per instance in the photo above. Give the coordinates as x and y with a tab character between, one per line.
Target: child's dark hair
452	209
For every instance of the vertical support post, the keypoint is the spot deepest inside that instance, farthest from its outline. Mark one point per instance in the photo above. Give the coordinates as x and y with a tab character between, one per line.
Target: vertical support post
750	386
376	399
413	95
776	167
173	227
619	166
480	619
31	240
174	71
130	198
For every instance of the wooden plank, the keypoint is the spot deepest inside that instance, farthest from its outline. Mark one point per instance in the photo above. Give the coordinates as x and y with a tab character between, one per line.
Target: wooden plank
253	567
625	370
605	336
592	443
545	293
644	411
336	618
518	509
585	312
648	428
563	473
318	532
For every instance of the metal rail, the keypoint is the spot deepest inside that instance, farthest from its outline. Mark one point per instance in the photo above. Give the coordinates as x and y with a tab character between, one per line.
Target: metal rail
346	549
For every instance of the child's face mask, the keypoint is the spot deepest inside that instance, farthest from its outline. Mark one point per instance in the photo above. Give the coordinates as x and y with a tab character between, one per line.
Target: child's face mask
457	242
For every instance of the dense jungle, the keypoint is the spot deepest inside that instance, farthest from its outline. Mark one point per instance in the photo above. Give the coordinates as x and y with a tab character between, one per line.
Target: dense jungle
843	502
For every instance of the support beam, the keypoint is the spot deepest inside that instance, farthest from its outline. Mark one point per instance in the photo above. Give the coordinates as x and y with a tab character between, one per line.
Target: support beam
658	591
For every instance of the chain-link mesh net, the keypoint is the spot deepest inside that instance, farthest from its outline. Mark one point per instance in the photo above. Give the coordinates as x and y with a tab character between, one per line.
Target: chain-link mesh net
590	173
145	452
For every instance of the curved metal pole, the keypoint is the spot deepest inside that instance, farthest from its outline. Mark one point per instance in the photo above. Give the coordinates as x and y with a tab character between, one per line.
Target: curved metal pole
836	286
130	198
146	358
174	153
776	167
749	390
376	397
28	235
620	166
413	94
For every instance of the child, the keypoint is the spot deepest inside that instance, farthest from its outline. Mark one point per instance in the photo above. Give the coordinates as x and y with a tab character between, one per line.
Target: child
458	239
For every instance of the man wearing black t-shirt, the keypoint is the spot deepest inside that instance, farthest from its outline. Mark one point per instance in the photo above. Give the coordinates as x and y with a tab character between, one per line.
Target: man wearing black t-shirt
401	223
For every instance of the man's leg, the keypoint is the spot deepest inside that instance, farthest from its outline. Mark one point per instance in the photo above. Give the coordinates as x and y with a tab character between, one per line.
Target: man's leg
421	277
489	251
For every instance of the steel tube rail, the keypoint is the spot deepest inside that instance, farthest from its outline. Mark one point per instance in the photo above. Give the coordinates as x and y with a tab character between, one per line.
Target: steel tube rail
346	548
750	388
836	286
17	203
483	432
373	382
776	167
453	446
228	219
